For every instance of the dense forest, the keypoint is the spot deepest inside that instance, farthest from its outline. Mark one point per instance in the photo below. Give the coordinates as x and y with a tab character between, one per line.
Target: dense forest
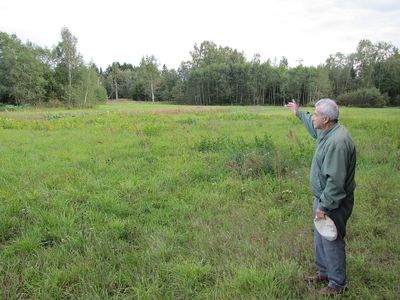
29	74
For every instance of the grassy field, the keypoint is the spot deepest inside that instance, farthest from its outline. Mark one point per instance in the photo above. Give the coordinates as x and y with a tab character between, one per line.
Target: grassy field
156	201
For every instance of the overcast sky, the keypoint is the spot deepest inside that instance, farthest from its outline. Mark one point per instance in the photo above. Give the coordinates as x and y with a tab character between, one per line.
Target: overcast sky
127	30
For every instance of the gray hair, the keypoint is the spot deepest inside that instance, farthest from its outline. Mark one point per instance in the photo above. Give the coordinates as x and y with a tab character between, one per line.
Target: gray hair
328	108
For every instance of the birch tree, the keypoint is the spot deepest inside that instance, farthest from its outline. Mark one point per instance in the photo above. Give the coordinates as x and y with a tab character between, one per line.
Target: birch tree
68	59
150	74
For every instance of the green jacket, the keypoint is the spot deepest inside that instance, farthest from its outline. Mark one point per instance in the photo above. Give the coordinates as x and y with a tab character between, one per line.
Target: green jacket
332	169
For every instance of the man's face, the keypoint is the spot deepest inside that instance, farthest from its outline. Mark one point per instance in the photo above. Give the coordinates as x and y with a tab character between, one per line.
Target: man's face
318	120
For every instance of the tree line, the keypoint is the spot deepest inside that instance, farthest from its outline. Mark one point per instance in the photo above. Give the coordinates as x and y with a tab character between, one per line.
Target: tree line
30	74
214	75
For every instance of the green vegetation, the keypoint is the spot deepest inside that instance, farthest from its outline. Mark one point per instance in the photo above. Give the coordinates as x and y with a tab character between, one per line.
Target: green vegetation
222	75
215	75
141	201
32	75
370	97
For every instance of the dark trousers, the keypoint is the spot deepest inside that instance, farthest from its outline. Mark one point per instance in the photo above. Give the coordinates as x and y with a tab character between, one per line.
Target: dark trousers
330	257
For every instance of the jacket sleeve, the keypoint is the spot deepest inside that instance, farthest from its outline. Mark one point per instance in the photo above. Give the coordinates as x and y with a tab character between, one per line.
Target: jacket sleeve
305	117
334	169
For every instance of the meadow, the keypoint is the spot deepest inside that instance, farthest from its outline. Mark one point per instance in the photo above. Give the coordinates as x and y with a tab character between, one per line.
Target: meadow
159	201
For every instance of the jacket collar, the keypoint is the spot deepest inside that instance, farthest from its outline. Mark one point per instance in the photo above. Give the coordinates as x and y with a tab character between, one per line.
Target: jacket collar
323	134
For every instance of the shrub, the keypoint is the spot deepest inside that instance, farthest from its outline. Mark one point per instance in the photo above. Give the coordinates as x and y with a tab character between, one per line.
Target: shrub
9	107
364	97
256	159
212	144
101	94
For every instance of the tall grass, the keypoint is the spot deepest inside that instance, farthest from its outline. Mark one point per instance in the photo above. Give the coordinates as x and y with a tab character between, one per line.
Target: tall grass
142	201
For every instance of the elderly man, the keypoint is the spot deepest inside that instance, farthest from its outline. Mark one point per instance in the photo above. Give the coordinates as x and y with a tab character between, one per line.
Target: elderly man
332	183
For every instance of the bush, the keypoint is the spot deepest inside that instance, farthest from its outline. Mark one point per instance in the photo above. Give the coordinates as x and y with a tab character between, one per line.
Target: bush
101	94
364	97
10	107
256	159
